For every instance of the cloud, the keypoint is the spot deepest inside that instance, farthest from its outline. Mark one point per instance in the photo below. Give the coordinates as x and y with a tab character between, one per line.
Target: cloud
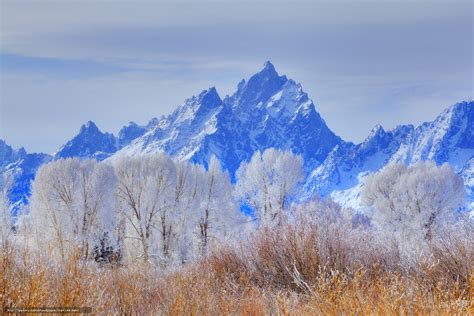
371	61
105	29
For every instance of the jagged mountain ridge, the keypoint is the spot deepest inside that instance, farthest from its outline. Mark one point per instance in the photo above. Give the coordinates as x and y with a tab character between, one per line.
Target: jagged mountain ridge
447	139
21	166
89	143
269	110
341	168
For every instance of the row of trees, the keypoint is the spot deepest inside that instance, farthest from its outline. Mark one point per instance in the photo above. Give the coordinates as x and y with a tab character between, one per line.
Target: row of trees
152	209
156	210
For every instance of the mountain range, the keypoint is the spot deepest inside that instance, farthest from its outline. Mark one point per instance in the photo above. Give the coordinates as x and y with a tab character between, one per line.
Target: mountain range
267	110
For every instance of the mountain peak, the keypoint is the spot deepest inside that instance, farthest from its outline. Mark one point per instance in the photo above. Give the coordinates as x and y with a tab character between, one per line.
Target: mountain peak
377	129
268	66
457	120
90	142
464	108
7	154
268	71
89	127
259	88
131	123
3	144
378	137
212	90
205	101
210	96
130	132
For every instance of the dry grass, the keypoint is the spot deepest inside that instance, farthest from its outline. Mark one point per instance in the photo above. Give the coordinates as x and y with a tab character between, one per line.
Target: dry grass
294	270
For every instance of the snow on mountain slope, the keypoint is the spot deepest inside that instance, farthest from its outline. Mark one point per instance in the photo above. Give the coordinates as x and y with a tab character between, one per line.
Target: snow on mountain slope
182	132
467	172
345	164
8	155
22	167
90	142
130	132
449	138
275	112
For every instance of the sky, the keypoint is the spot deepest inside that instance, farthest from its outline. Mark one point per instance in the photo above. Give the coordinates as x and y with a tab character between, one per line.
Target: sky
363	63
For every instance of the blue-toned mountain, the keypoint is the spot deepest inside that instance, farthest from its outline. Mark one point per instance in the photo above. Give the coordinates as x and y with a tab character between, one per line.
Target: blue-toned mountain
21	166
89	143
268	110
447	139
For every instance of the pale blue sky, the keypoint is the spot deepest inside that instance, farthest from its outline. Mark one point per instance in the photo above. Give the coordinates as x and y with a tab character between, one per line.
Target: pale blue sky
362	62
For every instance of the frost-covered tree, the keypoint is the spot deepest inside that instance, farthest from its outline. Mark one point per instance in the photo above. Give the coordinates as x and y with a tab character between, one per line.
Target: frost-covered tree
187	195
6	220
146	201
411	200
151	208
72	204
267	182
218	214
172	210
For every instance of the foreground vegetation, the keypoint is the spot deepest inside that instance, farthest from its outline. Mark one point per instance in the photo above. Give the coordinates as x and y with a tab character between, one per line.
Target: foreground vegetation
152	235
300	268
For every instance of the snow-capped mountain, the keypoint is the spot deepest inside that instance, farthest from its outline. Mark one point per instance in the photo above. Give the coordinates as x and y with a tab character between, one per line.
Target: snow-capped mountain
22	167
449	138
268	110
342	167
183	132
130	132
89	143
9	155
